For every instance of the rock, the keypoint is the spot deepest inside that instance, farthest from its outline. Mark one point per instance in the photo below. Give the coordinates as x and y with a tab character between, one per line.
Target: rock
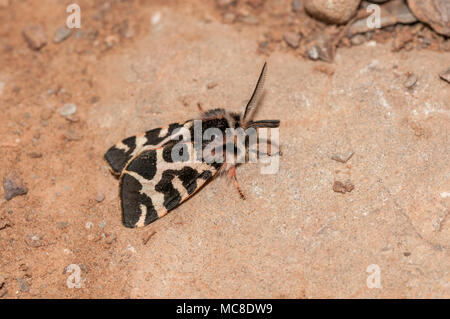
402	37
46	114
313	53
35	36
343	188
297	5
14	186
321	48
275	35
72	135
410	81
35	155
224	3
211	85
391	13
34	241
445	75
61	34
435	13
255	3
332	11
292	39
358	39
68	109
23	285
110	238
99	198
111	41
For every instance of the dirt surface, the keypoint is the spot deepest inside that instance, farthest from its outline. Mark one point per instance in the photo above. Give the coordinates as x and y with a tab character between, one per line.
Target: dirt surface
310	230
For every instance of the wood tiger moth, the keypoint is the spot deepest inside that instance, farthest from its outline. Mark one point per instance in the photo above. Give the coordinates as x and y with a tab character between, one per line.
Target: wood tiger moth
152	181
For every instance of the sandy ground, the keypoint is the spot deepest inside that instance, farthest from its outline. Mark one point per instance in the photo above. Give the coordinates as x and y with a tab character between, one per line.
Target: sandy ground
294	236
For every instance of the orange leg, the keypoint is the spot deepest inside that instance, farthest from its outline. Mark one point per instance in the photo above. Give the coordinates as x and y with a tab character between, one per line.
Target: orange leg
232	174
200	108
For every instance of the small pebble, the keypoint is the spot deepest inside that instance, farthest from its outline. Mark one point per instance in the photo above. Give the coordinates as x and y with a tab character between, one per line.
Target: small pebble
358	39
110	238
73	118
14	186
130	248
410	81
34	241
35	36
68	109
292	39
296	5
343	188
35	155
46	113
100	197
61	34
313	53
111	41
72	135
89	225
224	3
23	285
211	85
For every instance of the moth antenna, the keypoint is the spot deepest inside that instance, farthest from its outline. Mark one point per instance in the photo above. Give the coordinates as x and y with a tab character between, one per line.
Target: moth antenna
257	93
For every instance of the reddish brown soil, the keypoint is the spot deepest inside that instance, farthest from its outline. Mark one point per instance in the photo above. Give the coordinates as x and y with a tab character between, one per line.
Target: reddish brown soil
295	236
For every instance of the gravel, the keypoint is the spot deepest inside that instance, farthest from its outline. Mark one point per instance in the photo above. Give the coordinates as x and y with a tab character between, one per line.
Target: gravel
61	34
68	109
14	186
35	36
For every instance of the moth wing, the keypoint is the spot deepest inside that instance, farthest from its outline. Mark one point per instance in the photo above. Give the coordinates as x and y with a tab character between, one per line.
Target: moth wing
152	184
122	152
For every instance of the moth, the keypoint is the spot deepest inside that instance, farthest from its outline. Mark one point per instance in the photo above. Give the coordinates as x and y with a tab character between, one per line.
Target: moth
152	182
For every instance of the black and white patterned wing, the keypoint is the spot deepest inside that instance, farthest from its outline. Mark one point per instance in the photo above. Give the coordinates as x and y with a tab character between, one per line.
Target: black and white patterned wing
152	183
118	155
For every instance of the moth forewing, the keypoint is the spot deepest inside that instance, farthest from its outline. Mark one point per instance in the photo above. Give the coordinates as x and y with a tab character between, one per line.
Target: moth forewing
152	184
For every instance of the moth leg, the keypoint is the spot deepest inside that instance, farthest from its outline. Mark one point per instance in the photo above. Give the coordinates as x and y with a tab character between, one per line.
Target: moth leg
232	175
200	108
